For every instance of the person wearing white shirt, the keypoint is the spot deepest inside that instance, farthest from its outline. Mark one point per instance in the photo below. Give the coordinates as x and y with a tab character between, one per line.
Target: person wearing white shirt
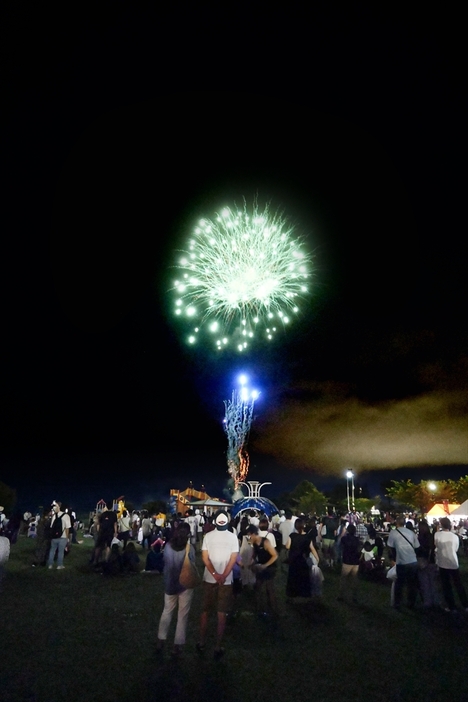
58	544
4	555
402	543
253	519
286	527
2	519
447	544
263	530
219	553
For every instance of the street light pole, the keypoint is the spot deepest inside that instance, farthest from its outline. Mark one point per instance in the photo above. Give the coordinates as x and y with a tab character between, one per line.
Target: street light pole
350	476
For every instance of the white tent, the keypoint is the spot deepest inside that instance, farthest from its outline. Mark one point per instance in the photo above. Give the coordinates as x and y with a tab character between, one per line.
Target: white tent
460	512
211	503
210	506
439	510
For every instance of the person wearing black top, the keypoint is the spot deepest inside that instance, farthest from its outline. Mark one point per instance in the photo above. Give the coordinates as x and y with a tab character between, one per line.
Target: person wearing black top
264	567
351	554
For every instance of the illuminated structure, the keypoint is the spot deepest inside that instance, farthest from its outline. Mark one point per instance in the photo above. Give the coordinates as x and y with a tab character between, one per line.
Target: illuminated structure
181	500
241	276
237	423
254	500
350	477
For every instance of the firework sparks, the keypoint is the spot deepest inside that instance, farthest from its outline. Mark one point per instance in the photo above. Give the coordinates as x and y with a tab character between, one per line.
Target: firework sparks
237	423
241	277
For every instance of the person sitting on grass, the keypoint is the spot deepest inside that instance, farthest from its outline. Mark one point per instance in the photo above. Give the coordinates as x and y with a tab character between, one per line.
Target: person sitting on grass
376	540
113	565
130	559
155	558
368	557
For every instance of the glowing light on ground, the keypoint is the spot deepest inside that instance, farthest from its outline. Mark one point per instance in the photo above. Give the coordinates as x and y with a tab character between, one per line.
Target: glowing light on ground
242	278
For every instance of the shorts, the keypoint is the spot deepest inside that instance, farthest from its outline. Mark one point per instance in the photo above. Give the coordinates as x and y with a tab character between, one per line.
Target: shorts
104	539
218	597
328	544
267	574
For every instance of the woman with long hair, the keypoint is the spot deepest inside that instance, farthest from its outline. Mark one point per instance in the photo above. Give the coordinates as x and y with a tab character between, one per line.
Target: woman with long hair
174	594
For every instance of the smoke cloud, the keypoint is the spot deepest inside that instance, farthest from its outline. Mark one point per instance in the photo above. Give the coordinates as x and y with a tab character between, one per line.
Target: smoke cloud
335	431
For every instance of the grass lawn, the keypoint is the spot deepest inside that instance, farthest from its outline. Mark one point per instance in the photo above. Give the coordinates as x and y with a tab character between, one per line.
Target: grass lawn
77	636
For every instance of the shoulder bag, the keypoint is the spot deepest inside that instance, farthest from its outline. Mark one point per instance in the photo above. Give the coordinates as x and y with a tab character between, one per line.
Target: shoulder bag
189	576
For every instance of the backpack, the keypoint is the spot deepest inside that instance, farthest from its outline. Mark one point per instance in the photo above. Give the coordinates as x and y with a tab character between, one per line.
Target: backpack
56	528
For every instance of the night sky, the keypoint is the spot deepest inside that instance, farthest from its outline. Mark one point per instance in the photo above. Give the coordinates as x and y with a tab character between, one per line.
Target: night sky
111	155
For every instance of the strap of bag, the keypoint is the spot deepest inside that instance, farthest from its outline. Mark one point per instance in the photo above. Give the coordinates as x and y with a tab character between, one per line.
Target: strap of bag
406	539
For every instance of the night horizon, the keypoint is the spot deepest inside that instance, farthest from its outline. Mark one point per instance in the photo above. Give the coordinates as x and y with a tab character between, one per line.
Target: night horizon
372	373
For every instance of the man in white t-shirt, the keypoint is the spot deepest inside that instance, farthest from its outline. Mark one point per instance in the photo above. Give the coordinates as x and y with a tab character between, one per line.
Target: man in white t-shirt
402	543
286	528
446	546
219	552
58	543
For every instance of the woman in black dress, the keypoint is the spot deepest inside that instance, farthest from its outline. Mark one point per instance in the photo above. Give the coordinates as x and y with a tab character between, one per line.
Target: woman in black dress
300	549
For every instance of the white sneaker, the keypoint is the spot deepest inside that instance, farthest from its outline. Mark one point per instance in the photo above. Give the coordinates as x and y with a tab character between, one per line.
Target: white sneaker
60	567
50	567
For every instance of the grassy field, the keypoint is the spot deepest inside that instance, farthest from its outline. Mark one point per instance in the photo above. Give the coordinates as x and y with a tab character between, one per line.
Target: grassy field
75	635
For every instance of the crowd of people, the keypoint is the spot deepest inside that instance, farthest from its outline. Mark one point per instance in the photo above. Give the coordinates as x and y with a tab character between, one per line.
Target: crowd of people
245	554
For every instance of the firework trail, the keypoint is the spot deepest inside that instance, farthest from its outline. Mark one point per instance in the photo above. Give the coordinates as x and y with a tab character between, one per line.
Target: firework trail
237	423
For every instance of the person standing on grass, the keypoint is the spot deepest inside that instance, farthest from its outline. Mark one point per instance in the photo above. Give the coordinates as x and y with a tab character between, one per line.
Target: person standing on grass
42	539
286	528
350	555
264	566
200	520
328	533
361	531
402	543
264	530
447	544
58	543
125	528
4	556
300	548
107	530
147	530
219	552
340	532
427	568
191	520
2	519
174	594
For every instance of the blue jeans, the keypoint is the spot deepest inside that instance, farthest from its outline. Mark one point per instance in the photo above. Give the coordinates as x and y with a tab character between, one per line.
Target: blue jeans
59	546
